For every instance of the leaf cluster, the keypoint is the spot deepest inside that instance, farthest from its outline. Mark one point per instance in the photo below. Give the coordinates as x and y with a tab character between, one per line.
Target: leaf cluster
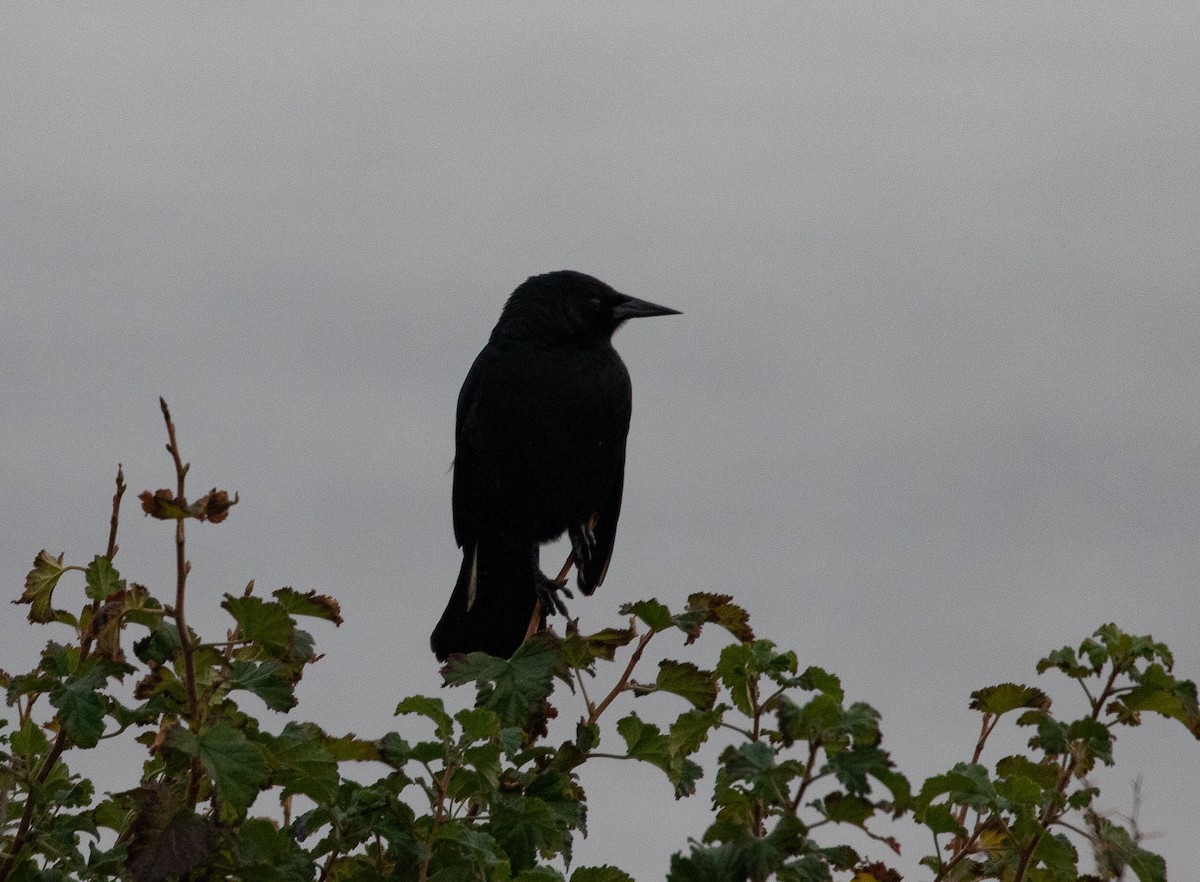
496	791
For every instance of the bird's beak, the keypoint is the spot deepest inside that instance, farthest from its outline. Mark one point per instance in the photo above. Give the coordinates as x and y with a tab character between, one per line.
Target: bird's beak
632	307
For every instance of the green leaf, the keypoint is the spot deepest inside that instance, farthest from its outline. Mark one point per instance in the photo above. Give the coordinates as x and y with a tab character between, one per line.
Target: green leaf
539	874
822	681
310	603
705	608
39	586
691	729
739	674
847	808
460	851
432	708
965	784
687	681
515	689
853	766
719	863
600	874
522	826
1160	693
102	578
478	724
997	700
579	650
1148	866
268	680
1044	773
238	768
1064	660
159	646
80	708
267	624
301	763
265	853
644	741
654	614
940	819
350	747
1058	856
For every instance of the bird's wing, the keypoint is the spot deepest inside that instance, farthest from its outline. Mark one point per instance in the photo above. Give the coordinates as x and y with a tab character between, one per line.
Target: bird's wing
604	529
467	477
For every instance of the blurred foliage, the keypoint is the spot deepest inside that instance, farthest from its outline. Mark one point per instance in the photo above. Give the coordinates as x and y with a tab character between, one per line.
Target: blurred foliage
485	793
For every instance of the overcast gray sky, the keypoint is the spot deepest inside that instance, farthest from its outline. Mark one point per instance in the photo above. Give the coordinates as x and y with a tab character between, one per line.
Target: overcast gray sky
930	412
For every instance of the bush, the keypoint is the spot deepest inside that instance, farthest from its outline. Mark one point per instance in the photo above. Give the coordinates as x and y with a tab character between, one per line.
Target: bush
482	793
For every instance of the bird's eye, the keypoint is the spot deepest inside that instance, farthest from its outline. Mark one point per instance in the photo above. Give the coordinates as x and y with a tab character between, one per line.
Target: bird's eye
594	301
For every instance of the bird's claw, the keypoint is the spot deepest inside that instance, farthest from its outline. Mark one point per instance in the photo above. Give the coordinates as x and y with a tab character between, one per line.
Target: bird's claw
549	594
583	542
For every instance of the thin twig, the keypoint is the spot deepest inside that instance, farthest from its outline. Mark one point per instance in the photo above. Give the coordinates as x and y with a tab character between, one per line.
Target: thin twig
621	683
182	568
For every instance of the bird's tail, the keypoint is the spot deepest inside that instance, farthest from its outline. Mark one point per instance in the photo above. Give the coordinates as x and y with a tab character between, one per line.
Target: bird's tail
493	601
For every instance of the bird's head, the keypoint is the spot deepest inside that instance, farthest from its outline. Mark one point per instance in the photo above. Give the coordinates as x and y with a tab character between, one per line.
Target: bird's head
569	305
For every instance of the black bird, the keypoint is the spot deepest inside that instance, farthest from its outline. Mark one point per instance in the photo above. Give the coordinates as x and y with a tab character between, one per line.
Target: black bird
539	450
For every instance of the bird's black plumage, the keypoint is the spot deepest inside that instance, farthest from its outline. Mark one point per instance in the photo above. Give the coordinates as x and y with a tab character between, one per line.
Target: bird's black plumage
539	451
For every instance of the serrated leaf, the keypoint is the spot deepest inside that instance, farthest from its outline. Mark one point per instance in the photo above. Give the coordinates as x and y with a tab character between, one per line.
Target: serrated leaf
1066	661
580	650
159	646
1058	856
687	681
719	609
522	826
997	700
268	680
237	767
516	689
460	851
310	603
478	724
102	578
653	614
847	808
644	741
1148	866
1045	775
600	874
814	678
265	623
940	819
302	764
350	747
394	750
853	766
691	728
431	708
80	707
539	874
39	586
266	853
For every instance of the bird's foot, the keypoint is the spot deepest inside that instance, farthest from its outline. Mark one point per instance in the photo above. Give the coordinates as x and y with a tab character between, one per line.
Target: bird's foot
549	594
583	541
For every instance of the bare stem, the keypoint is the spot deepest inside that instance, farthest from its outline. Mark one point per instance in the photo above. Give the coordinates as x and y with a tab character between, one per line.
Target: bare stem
621	683
182	568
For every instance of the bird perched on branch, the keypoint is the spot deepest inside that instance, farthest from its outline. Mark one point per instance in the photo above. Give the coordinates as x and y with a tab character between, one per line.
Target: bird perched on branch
539	451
